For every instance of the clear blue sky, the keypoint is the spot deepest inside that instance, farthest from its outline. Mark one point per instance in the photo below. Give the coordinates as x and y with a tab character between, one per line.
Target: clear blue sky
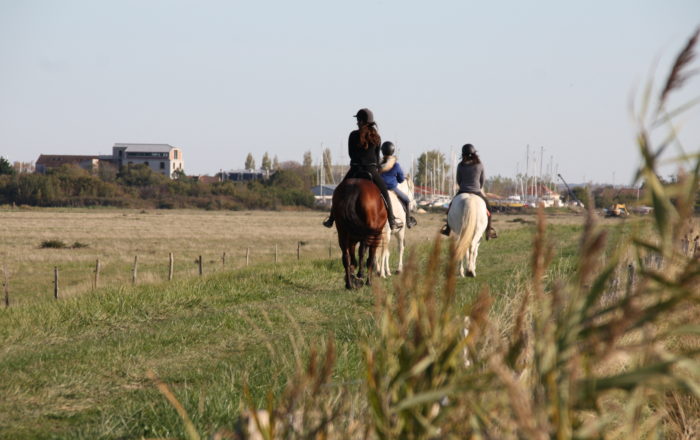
224	78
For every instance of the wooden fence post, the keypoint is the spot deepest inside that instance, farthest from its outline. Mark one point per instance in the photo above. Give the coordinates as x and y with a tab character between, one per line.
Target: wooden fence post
97	273
329	250
630	278
298	250
199	262
6	286
247	256
134	270
171	263
55	282
223	259
275	253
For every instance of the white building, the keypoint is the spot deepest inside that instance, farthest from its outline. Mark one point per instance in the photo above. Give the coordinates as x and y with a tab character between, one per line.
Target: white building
161	158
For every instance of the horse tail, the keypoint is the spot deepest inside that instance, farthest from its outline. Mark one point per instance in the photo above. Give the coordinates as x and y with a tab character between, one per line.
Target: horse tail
353	220
356	225
467	232
356	211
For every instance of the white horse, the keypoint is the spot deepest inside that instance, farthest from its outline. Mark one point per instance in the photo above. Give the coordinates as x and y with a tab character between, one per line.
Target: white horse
467	219
382	262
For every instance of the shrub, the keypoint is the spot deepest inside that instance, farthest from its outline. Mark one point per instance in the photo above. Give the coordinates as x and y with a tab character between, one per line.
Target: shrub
6	166
52	244
139	175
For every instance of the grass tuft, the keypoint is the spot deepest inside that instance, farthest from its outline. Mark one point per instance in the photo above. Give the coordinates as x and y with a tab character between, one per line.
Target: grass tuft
53	244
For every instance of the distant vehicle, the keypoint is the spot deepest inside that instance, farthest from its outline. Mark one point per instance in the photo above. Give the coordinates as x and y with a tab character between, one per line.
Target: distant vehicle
441	202
510	202
617	210
641	210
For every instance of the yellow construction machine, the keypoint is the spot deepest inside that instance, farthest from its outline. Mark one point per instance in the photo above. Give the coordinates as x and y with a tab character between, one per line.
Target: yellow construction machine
617	210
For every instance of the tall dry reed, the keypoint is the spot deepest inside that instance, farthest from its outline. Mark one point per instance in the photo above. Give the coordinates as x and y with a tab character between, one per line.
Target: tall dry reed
582	357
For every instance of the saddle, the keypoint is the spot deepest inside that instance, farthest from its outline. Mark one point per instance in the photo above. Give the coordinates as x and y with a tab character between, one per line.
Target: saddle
358	172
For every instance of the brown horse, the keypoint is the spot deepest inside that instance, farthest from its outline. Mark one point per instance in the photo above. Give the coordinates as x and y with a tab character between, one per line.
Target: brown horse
360	216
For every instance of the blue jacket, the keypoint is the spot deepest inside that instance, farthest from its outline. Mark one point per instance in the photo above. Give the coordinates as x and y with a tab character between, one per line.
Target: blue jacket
394	176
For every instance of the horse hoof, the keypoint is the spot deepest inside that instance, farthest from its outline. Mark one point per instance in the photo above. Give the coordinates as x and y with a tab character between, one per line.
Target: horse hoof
471	274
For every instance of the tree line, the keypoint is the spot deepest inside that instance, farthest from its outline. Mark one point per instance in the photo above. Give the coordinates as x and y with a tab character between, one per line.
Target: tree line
137	186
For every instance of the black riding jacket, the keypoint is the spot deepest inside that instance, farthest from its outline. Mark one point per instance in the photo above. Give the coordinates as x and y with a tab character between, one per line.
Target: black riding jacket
359	157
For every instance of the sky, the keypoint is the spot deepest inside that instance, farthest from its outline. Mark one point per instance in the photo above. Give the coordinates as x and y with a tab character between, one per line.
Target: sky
221	79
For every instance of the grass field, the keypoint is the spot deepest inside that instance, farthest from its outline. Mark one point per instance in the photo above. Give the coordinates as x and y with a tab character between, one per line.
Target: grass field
117	236
76	368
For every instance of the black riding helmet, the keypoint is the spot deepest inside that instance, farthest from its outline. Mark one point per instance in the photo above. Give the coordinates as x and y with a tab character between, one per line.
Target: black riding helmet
388	148
365	115
468	150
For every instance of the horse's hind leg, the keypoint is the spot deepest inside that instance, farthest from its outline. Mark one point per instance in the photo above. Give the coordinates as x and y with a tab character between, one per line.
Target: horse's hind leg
371	263
471	263
383	268
352	281
360	257
402	246
348	257
467	262
348	268
353	260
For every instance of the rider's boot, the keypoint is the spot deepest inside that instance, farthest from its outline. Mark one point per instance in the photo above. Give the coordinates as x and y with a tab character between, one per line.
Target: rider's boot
410	220
329	221
445	230
490	232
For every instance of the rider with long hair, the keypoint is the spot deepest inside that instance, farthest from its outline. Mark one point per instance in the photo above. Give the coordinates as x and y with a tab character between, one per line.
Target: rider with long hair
470	178
363	149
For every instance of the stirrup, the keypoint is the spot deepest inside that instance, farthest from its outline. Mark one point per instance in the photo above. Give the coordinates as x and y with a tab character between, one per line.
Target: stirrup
445	230
328	222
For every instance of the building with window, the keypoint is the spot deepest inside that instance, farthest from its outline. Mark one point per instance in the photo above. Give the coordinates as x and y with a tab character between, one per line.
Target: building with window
247	175
161	158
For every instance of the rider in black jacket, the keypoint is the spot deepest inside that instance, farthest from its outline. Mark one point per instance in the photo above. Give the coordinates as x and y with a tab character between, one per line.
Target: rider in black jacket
363	149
